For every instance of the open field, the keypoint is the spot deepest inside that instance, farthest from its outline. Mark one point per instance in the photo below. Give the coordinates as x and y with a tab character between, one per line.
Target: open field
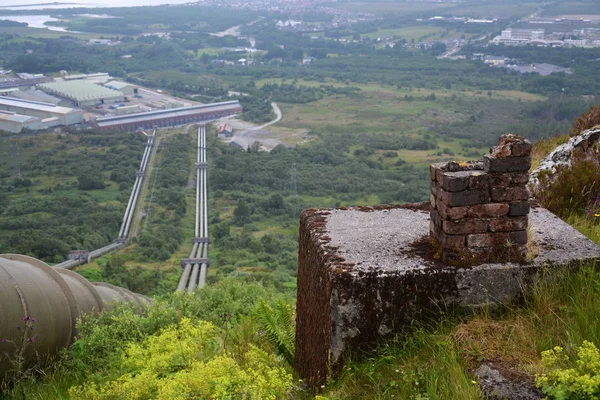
420	32
388	7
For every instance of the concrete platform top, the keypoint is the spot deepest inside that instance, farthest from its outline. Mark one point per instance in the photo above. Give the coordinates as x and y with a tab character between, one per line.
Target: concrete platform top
383	239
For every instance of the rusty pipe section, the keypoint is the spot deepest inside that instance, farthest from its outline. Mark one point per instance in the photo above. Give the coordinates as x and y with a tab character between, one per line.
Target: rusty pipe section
35	295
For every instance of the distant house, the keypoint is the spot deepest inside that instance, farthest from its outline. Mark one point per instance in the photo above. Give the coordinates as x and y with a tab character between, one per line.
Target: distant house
224	131
491	60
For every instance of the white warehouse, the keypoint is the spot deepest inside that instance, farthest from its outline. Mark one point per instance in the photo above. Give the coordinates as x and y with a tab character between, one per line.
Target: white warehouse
43	111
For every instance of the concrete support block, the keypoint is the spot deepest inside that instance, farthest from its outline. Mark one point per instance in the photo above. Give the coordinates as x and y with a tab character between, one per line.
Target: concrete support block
367	273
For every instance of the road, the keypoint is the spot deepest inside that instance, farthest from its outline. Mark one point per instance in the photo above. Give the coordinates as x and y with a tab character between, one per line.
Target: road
277	119
234	30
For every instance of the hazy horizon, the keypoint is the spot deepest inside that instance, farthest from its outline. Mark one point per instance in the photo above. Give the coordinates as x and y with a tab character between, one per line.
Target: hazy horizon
38	5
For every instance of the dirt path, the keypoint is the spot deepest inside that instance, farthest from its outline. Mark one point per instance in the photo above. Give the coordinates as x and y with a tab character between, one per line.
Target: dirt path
233	31
246	133
277	119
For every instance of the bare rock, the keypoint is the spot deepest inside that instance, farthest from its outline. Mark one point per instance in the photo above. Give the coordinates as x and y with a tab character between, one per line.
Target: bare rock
586	145
497	386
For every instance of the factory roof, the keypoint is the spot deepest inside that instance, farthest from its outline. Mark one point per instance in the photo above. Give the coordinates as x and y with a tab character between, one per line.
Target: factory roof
173	112
11	116
80	90
35	105
118	84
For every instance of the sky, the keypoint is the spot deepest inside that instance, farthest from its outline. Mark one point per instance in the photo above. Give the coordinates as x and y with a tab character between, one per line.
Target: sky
18	4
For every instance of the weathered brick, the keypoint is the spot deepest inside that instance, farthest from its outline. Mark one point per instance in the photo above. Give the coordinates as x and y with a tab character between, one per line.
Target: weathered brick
455	181
432	200
508	164
464	198
452	241
439	176
499	180
518	237
435	218
465	226
519	178
451	212
508	224
479	180
489	210
510	194
432	171
433	230
521	149
518	209
490	239
435	190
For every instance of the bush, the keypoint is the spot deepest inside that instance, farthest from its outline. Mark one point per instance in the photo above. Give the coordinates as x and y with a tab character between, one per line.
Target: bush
188	360
586	121
579	382
572	190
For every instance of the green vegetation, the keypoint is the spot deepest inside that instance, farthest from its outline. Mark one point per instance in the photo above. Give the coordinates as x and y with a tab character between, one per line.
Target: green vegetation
372	118
64	192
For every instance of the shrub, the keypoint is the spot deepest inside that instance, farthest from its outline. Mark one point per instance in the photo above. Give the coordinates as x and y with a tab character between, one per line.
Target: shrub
572	189
579	382
586	121
188	360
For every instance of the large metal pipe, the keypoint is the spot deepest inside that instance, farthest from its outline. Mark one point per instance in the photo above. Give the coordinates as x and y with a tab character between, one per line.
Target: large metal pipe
89	301
194	278
126	215
138	182
184	278
197	186
34	295
69	264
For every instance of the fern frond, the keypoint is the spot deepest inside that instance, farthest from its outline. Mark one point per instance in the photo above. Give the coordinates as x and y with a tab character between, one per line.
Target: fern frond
278	324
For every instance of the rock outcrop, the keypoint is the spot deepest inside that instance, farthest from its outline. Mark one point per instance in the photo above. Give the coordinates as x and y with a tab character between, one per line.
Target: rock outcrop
584	146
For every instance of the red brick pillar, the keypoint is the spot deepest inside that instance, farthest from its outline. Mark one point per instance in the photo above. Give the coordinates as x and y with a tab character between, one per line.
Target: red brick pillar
479	209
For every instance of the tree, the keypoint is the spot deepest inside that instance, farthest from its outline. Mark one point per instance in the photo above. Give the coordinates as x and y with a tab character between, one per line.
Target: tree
241	214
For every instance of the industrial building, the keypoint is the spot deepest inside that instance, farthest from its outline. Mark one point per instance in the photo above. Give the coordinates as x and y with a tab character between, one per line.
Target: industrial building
126	88
15	123
43	111
82	92
171	117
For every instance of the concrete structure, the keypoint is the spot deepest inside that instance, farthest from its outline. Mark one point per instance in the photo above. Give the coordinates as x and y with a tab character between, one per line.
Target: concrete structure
126	88
171	117
491	60
542	69
368	272
82	92
519	36
479	210
15	123
64	115
22	80
34	95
